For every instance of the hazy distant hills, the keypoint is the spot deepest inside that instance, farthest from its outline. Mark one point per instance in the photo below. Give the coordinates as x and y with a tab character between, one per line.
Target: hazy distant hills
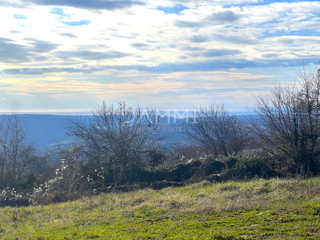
48	130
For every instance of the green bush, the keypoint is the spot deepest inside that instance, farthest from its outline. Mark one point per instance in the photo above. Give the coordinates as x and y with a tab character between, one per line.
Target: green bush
246	168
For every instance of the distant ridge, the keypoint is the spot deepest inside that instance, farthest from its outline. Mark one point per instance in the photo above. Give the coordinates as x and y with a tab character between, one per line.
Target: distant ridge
48	130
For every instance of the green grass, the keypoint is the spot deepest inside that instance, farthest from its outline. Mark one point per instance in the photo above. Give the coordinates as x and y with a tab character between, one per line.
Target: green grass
259	209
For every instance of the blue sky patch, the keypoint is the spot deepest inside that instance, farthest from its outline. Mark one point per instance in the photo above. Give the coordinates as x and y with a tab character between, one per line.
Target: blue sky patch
177	9
59	12
19	16
77	23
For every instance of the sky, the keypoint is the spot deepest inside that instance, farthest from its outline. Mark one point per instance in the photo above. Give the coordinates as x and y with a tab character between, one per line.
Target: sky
71	55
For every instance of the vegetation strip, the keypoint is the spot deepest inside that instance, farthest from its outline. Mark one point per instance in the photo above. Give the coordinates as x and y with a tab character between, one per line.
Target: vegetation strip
258	209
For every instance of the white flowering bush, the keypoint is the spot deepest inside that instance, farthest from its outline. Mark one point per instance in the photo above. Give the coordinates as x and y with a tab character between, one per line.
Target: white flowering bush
11	197
66	185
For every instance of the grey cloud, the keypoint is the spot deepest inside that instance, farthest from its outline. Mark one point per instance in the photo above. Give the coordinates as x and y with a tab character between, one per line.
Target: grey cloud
41	46
234	38
211	52
212	65
198	39
37	71
188	24
209	65
296	40
270	55
14	31
11	52
221	17
70	35
84	4
88	55
286	41
188	48
139	45
224	17
221	52
119	36
40	58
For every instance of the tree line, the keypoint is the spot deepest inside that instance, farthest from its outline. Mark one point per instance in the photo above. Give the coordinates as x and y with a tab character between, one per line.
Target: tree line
122	145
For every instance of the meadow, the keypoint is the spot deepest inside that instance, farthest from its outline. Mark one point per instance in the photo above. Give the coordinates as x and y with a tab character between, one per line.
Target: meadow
256	209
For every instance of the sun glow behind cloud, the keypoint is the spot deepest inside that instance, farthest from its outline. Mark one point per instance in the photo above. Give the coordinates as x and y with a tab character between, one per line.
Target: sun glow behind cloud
160	53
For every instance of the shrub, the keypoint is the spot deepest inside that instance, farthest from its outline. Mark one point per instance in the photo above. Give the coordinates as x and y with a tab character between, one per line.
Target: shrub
66	185
246	168
10	197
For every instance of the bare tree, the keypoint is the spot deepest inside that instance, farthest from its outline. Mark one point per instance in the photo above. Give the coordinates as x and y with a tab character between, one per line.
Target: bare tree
18	158
289	121
117	139
216	129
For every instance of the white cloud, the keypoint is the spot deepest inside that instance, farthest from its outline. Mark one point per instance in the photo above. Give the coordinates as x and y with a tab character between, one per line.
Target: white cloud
228	34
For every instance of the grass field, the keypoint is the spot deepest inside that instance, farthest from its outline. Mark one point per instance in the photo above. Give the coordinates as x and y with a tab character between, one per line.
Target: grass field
259	209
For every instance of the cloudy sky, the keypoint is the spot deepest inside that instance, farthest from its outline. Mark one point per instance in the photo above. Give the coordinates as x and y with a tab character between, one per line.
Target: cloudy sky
70	55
